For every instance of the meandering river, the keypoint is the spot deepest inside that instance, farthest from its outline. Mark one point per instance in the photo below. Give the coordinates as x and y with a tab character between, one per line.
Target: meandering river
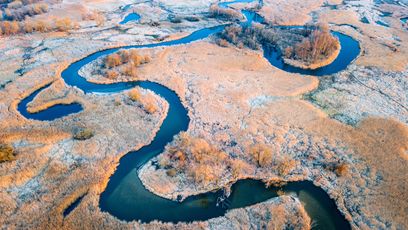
125	196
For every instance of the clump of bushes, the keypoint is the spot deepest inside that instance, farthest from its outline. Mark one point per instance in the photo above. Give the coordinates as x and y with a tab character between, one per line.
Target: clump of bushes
147	102
30	25
135	95
18	11
261	154
341	169
223	13
317	45
7	152
309	44
84	134
241	36
286	165
124	62
196	158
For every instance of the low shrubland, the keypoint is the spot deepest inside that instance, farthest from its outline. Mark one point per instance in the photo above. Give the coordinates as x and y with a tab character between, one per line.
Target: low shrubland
204	163
197	158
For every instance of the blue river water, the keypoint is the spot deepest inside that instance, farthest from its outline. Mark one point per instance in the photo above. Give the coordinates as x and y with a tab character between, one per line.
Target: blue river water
130	17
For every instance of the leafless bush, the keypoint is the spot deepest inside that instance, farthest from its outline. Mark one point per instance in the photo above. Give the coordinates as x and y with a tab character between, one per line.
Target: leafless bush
135	95
286	165
261	154
112	74
63	24
6	152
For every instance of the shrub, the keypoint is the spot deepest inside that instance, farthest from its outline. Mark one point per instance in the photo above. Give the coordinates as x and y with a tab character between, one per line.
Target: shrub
150	107
112	74
83	134
341	169
29	26
171	172
261	154
222	42
6	153
63	24
113	60
135	95
197	158
285	166
130	70
42	26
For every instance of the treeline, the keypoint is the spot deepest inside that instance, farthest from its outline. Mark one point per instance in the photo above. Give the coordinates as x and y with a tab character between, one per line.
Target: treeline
18	12
308	44
224	13
35	25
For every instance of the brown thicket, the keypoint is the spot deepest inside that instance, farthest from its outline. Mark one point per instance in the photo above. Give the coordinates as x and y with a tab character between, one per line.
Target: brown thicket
63	24
308	44
6	152
341	169
286	165
135	95
196	158
112	74
319	44
223	13
126	61
148	102
261	154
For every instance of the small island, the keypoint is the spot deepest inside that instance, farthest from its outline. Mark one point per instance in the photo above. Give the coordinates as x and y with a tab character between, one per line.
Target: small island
317	49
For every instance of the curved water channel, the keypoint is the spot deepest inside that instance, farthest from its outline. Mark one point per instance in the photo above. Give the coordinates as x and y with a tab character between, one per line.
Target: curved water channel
125	196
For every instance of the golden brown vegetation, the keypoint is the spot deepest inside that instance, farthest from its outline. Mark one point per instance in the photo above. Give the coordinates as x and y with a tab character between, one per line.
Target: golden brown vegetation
261	154
223	13
6	152
286	165
318	45
17	17
198	159
342	169
310	44
135	95
125	62
147	102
